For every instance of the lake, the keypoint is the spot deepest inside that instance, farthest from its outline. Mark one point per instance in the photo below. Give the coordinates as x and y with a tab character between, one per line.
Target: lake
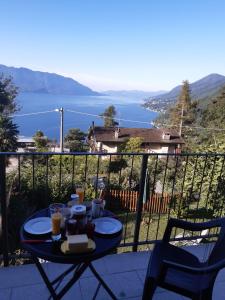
49	120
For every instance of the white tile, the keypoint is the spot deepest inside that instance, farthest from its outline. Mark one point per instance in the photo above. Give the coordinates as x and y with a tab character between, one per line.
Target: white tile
5	294
40	292
142	274
221	276
219	291
55	269
20	275
88	288
73	293
202	251
127	261
30	292
124	285
168	296
100	267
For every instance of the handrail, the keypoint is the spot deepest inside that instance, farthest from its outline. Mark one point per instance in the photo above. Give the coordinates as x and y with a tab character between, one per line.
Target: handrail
144	213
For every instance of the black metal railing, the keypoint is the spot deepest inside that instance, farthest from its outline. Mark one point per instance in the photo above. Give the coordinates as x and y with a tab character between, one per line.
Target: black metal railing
143	190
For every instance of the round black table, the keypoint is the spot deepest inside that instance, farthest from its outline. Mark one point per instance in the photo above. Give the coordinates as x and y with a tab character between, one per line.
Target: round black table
80	262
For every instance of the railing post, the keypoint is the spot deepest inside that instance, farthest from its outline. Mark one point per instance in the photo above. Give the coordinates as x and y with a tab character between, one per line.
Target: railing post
139	204
4	209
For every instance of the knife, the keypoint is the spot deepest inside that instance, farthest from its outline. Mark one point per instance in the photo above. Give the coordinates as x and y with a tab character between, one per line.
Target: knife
36	241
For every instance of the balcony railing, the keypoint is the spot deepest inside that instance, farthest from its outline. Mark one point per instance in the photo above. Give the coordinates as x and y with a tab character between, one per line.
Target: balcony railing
143	190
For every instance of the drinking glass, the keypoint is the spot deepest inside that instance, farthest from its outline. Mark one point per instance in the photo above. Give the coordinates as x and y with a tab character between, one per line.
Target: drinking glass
56	226
56	207
57	219
80	192
96	208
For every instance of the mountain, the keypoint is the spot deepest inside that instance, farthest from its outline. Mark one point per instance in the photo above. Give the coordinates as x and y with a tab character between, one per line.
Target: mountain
132	93
201	90
42	82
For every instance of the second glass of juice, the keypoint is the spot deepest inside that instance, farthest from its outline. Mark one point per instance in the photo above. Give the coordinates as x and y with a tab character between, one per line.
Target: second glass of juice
80	192
56	218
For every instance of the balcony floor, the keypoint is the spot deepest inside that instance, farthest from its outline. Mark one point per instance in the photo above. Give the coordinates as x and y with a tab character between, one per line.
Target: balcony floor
124	273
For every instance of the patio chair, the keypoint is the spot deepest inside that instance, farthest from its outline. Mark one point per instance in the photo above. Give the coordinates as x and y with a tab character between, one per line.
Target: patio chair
178	270
182	241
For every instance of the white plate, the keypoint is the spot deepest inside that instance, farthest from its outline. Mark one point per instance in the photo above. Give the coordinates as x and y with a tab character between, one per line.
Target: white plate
40	225
107	225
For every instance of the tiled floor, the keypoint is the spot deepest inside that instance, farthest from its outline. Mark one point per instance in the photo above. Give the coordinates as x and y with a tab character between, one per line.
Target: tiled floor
124	273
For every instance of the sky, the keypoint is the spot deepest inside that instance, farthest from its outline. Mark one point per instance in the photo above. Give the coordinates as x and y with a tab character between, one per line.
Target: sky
116	44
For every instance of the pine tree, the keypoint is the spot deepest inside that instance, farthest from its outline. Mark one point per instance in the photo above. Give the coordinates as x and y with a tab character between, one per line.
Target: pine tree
41	141
75	140
179	115
8	130
108	116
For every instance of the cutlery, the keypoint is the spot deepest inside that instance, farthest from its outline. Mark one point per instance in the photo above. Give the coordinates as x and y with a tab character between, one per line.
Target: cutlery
36	241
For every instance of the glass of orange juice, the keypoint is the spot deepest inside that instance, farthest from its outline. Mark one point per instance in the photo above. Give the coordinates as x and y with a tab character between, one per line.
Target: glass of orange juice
56	222
80	192
57	219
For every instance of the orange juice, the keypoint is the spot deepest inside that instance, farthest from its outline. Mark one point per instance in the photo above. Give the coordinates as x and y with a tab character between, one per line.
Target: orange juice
80	192
56	221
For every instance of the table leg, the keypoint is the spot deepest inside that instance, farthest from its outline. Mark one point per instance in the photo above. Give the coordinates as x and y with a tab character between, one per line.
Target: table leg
76	276
45	278
102	282
65	273
77	273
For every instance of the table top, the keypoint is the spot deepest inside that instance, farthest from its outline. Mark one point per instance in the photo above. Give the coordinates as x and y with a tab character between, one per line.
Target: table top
51	251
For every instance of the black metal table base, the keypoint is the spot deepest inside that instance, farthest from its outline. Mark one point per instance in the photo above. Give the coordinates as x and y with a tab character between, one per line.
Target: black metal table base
78	270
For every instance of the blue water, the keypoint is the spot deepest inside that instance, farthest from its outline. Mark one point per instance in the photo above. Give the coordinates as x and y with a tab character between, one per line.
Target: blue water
49	123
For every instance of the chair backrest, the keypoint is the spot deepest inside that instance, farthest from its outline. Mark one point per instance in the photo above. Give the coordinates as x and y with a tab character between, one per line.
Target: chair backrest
218	252
203	233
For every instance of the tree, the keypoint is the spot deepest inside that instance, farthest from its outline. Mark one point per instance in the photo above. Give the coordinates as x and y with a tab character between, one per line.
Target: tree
134	145
214	114
75	140
179	114
8	130
108	116
41	141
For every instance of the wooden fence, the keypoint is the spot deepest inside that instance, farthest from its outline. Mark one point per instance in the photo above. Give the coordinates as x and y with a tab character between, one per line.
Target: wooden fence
124	199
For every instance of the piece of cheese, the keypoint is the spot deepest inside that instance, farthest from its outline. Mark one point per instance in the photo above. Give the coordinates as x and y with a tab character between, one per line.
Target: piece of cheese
77	242
91	247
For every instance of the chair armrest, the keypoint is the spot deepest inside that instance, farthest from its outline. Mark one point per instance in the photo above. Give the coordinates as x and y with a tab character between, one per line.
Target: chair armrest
201	270
190	226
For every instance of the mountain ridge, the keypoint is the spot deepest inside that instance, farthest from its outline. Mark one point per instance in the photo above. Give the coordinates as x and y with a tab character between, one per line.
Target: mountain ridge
201	90
28	80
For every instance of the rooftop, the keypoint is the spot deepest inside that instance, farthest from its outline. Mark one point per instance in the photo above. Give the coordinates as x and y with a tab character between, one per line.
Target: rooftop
149	135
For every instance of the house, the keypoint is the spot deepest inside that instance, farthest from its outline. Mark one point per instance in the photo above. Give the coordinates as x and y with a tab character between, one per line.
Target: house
155	140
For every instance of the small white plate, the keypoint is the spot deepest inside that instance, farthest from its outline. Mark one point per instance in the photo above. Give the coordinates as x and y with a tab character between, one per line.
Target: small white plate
107	225
40	225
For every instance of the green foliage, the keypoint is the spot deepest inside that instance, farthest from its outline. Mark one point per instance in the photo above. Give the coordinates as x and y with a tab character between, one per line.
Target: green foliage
8	134
8	93
181	111
108	116
214	117
75	140
41	141
134	145
8	130
117	165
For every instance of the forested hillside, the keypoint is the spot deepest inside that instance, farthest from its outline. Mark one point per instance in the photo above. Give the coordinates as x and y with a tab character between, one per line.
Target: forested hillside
202	126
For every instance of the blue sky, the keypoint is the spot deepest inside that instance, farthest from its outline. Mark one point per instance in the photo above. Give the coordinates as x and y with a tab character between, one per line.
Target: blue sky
116	44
